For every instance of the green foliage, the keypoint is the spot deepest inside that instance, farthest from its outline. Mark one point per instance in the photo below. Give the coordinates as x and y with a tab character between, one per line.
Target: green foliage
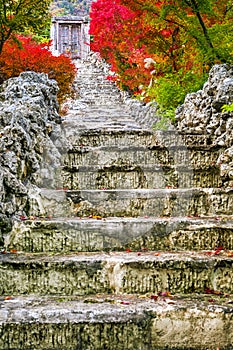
22	16
170	90
164	123
227	108
69	7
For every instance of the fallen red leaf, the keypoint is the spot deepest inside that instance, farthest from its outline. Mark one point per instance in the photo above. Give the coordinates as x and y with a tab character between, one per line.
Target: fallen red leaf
212	291
8	298
164	294
154	297
125	302
128	250
218	250
23	217
13	251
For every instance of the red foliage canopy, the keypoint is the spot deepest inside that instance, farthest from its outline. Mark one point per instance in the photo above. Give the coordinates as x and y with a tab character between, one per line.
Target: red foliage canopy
119	36
28	55
178	35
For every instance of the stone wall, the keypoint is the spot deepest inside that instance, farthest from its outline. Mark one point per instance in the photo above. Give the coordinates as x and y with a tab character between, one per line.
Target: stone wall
30	141
202	114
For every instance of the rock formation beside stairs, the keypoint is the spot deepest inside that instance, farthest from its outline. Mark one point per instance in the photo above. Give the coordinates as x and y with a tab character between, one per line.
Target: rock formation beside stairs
30	141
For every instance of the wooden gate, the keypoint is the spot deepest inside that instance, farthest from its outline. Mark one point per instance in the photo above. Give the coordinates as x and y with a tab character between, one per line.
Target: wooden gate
70	36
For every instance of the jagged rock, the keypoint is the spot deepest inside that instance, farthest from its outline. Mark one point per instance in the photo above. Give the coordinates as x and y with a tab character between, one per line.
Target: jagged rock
202	113
31	140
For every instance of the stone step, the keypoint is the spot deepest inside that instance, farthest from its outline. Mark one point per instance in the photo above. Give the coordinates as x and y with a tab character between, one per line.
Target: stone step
97	99
111	234
139	177
116	322
131	203
115	272
80	124
100	86
143	156
97	116
99	137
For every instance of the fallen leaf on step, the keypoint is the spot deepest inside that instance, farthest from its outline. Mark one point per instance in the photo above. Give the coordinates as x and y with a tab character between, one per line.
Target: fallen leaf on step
218	250
97	217
13	251
154	297
215	252
125	302
8	298
164	294
212	291
128	250
23	217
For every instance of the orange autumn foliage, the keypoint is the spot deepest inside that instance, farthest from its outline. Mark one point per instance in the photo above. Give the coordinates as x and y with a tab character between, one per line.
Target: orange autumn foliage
28	55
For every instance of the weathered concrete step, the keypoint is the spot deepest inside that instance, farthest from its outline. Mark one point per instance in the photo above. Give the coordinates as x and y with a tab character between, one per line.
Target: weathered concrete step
124	176
104	99
76	124
142	156
138	234
131	273
128	137
116	322
131	203
97	89
93	89
84	112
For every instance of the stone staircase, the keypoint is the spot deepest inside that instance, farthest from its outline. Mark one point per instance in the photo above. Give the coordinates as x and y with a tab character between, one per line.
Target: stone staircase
133	251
